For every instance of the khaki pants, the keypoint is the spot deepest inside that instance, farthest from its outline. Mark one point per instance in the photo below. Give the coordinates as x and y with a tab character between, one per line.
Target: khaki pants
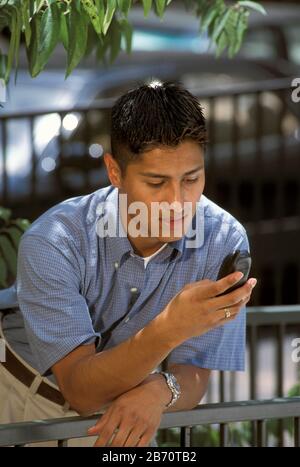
18	403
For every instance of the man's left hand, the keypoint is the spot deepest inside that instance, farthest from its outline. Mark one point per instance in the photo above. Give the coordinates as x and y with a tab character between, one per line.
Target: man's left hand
133	418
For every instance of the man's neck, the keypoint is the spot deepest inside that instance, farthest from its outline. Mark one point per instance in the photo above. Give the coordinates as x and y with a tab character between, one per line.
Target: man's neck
145	246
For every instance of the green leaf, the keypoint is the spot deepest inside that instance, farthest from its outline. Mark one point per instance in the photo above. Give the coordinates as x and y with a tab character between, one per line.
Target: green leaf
254	6
92	12
115	40
241	28
21	224
124	6
64	32
220	25
147	7
14	234
160	7
32	51
50	33
221	43
127	32
9	254
3	273
78	29
111	8
25	19
100	12
14	41
208	17
3	65
5	214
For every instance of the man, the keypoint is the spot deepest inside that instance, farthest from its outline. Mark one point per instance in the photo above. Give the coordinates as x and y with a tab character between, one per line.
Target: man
102	308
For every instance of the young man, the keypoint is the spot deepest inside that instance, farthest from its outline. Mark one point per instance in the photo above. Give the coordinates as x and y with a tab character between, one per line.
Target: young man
105	300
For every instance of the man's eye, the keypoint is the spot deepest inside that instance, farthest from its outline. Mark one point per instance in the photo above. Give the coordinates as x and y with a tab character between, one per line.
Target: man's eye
192	180
155	184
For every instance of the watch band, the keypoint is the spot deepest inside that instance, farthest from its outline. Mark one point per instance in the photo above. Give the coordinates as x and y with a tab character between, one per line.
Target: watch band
173	386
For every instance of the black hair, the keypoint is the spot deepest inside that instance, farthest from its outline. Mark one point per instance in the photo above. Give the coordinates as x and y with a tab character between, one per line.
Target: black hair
153	115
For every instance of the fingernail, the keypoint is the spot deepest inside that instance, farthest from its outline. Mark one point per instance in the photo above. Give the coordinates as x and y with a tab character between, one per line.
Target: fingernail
238	276
253	282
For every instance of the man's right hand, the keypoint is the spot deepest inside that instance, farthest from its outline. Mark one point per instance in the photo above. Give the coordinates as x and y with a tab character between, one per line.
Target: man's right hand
197	309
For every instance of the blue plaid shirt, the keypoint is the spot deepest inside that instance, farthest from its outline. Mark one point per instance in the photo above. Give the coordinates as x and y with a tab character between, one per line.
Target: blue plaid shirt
72	285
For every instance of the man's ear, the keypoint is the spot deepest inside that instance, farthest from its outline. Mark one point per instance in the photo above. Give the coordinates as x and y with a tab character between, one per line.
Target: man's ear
113	170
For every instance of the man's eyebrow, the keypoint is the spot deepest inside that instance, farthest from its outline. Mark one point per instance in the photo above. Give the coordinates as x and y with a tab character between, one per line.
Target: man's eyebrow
155	175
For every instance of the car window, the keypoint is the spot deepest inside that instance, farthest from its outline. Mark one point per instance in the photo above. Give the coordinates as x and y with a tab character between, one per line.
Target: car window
292	33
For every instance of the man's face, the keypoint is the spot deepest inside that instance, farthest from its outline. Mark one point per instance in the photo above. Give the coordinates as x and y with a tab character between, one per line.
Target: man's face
169	175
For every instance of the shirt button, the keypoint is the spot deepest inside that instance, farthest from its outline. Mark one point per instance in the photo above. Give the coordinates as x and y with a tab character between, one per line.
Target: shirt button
126	320
116	265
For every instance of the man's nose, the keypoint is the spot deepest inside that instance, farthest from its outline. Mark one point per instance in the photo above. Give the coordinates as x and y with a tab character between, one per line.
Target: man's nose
176	197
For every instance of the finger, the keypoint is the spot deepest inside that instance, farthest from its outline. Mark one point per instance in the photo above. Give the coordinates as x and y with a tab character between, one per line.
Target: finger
121	436
105	428
234	297
146	438
105	437
220	286
234	311
135	437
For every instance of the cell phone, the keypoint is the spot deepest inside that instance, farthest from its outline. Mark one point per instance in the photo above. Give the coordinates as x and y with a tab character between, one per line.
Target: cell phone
239	260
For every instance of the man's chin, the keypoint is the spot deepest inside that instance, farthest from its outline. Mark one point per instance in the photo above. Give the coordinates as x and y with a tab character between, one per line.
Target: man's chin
170	238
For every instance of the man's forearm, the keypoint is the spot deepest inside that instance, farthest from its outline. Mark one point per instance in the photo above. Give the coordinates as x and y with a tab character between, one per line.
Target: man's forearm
193	383
98	379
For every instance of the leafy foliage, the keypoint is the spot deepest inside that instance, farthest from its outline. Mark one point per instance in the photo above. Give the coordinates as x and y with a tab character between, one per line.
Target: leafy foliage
84	26
11	232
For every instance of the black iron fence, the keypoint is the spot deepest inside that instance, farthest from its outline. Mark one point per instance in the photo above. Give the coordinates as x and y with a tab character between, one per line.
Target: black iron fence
258	412
253	168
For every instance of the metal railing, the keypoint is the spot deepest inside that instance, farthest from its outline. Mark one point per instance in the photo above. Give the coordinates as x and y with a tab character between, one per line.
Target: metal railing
281	324
258	412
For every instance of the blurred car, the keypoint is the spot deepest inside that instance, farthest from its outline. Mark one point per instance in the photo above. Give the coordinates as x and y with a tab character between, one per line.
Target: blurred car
275	36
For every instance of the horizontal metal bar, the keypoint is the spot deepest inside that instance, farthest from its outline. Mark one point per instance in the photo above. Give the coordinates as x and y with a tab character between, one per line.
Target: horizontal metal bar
76	427
234	412
289	314
106	103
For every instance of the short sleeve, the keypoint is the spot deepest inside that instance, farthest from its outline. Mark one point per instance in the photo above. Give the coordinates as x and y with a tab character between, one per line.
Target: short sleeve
56	315
223	348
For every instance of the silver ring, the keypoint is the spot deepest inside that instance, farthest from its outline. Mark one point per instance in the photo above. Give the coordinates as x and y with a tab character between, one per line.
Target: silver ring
227	313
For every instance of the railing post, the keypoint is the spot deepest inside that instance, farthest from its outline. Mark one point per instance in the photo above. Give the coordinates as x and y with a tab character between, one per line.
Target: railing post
280	372
297	432
224	438
261	434
62	443
185	436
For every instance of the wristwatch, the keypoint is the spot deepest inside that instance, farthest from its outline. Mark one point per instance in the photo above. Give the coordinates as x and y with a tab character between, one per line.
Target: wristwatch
173	386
